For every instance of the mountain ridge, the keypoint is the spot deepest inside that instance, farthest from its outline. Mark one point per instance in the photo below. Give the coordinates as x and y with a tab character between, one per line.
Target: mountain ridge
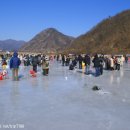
112	35
48	40
10	44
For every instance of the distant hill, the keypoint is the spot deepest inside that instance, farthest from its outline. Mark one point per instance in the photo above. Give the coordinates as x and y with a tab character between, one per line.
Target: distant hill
10	45
49	40
112	35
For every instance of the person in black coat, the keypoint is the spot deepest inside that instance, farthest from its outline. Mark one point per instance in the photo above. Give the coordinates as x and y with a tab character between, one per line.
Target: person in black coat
35	63
80	59
126	59
101	64
96	62
87	61
63	60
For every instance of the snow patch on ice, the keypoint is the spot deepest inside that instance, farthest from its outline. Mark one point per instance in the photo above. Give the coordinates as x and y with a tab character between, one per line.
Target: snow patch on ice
102	92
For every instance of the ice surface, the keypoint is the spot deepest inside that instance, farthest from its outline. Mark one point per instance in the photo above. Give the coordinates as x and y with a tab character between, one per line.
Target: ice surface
64	100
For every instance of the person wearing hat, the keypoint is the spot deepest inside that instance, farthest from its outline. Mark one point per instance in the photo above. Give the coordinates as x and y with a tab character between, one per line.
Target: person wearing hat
14	65
45	67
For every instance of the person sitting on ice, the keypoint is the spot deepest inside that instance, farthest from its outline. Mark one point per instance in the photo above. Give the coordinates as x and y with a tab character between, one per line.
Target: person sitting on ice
32	73
4	73
73	64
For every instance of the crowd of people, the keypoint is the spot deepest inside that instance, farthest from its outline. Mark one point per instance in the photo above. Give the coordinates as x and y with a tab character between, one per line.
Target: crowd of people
14	61
99	62
86	62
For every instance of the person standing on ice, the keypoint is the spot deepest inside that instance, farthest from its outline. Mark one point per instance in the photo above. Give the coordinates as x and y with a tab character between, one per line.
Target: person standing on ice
87	61
63	60
45	67
112	63
80	59
118	63
101	59
35	63
126	59
122	60
14	65
96	62
60	58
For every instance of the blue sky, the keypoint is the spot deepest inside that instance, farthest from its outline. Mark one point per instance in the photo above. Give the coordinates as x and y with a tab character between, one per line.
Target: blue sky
23	19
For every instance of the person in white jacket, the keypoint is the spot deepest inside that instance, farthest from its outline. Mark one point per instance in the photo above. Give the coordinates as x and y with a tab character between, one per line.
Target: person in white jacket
118	63
112	63
122	60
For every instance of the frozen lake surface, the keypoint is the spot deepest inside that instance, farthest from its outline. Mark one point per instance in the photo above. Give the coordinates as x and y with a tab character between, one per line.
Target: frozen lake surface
64	100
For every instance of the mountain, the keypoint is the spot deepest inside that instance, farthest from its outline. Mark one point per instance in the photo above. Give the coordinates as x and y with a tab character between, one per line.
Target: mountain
112	35
49	40
10	45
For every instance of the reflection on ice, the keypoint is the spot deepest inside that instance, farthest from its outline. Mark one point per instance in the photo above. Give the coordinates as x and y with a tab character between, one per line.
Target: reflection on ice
121	73
66	78
111	79
118	80
34	82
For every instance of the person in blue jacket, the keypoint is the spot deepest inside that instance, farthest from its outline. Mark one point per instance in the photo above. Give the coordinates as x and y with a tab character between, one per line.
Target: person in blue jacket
14	65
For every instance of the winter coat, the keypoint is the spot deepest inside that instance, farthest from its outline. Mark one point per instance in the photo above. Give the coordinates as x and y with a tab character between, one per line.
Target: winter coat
34	61
60	57
96	62
4	63
87	60
111	62
45	65
15	61
101	59
118	60
80	59
63	58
